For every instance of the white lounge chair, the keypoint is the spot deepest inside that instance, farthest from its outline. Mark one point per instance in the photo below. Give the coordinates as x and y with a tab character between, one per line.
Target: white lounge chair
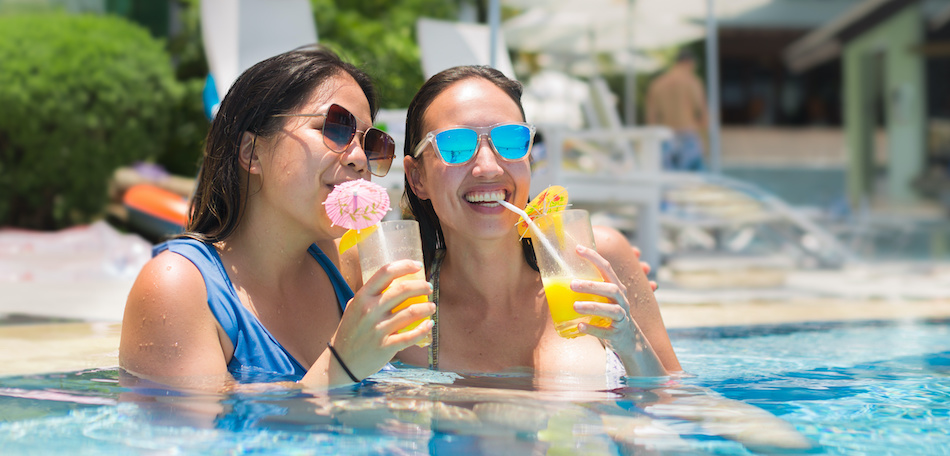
694	211
445	44
239	33
598	178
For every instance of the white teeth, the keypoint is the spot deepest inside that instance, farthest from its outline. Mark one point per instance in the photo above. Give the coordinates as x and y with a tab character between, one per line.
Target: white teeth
485	197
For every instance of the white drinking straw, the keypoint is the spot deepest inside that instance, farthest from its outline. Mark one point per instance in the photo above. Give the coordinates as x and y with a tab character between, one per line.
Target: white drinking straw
537	233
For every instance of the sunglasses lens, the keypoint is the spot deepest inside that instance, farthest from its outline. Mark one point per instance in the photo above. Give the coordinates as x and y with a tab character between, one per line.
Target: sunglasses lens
511	141
380	149
339	128
457	145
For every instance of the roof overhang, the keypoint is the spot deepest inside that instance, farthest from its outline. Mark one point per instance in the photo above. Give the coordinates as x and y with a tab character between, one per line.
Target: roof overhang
825	43
940	19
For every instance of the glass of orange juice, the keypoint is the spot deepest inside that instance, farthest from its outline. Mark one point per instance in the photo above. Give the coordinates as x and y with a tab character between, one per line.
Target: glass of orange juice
559	263
392	241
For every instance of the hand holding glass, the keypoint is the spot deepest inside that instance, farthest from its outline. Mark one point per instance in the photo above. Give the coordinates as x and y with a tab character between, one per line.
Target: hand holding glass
392	241
559	263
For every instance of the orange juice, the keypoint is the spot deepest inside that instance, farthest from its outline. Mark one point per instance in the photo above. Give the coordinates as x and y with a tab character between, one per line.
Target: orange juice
413	300
561	304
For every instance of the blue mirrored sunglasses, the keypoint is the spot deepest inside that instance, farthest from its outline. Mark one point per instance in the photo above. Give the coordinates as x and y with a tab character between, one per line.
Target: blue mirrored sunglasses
457	145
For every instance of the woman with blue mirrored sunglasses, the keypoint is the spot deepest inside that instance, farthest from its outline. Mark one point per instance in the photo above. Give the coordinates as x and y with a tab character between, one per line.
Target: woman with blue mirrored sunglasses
457	145
491	310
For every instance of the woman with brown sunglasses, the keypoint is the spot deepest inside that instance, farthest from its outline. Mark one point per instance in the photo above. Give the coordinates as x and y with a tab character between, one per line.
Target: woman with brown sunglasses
254	285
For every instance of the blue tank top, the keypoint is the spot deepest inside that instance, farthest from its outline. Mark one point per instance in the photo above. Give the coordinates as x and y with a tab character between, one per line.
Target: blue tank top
257	354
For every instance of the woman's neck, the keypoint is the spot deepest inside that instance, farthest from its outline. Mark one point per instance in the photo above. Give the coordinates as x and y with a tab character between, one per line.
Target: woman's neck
267	247
492	270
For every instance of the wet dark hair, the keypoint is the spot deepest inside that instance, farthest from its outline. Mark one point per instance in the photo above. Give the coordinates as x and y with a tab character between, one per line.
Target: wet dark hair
421	210
277	85
685	55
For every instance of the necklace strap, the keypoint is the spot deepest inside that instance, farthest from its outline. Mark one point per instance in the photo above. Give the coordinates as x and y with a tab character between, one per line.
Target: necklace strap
434	277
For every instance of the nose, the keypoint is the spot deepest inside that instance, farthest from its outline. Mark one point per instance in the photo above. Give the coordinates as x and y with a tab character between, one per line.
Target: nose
355	156
486	161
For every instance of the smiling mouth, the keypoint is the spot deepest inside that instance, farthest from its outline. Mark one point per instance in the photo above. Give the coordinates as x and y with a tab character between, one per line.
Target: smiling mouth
486	199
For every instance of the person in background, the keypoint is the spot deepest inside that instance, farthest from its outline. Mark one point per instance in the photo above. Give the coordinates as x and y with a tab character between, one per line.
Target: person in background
252	291
677	100
492	314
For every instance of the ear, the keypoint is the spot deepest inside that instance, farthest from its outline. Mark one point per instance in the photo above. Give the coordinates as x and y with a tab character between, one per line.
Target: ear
415	174
248	156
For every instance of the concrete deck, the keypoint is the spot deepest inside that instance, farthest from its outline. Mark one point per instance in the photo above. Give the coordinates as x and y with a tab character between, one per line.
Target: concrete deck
61	327
57	347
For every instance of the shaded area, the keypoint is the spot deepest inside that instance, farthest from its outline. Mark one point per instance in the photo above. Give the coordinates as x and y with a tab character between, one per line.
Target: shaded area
27	319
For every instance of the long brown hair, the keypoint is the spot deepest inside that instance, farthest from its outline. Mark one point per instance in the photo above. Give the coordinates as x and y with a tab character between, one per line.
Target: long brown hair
430	228
277	85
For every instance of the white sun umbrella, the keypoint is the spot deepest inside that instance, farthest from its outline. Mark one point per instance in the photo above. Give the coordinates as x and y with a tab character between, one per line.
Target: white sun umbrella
595	26
609	23
576	31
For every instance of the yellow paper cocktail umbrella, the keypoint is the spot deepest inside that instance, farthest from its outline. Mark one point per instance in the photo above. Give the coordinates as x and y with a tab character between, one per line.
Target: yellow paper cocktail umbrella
552	199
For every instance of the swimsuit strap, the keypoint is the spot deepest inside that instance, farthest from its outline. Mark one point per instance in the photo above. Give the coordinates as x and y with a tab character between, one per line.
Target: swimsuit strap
434	275
340	287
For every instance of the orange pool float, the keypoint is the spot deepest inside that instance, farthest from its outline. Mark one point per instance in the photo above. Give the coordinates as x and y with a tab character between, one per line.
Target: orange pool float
154	211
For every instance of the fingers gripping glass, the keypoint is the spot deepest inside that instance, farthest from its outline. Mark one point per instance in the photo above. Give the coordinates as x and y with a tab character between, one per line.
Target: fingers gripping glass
339	129
457	145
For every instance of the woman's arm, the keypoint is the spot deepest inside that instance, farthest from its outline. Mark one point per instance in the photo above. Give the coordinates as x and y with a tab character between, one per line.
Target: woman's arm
169	334
646	323
366	338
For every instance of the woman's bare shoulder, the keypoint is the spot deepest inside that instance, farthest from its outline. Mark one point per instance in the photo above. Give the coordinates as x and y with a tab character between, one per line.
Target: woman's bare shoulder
610	241
166	278
167	326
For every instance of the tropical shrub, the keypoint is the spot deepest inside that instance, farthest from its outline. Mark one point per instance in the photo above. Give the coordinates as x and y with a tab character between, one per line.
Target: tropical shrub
183	148
80	95
380	37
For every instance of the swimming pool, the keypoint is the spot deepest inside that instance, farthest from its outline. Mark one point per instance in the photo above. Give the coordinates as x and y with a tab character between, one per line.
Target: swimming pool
869	387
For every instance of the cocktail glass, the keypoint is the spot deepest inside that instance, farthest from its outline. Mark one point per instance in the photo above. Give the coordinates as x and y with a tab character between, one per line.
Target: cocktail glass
561	233
391	241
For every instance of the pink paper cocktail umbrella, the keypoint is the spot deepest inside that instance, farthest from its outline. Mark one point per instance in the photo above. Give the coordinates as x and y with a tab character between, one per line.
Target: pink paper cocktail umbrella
357	204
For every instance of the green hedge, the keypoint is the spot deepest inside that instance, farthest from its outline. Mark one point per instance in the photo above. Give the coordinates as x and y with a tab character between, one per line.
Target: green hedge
185	145
79	97
379	36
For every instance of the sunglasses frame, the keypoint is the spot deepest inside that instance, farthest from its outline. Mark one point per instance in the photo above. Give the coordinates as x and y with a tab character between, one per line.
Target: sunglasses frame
481	132
356	131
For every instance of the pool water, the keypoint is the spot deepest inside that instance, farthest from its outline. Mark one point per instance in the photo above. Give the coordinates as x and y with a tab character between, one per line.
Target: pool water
823	388
857	388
